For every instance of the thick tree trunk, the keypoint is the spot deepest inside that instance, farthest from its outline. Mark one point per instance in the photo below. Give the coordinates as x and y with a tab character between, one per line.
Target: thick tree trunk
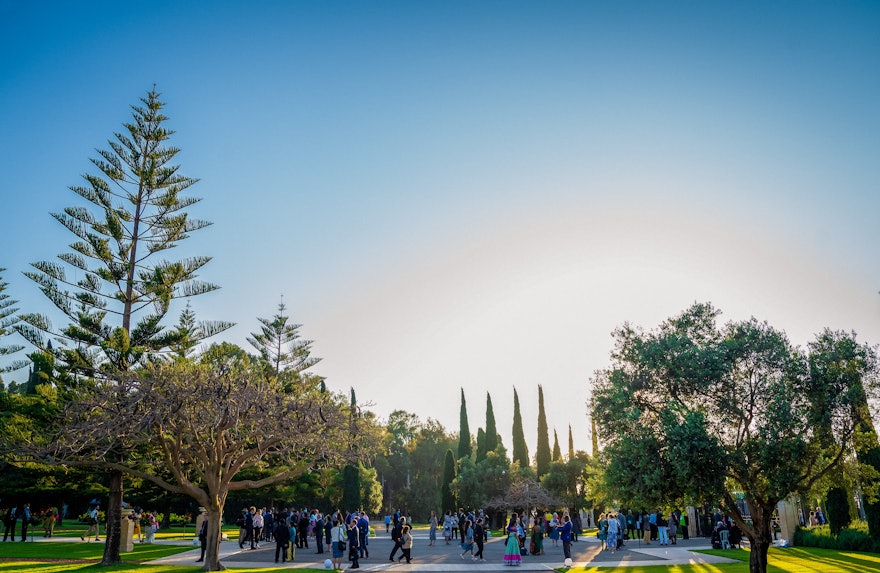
113	533
212	550
760	542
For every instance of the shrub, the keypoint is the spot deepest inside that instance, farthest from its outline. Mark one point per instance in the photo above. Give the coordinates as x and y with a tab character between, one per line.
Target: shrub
852	538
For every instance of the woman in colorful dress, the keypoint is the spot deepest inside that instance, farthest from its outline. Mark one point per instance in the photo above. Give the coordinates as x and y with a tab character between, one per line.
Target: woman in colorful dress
603	529
511	553
554	529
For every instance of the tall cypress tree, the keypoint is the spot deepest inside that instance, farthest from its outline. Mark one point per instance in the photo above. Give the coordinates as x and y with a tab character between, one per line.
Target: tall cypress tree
121	287
481	445
351	488
520	448
491	429
464	433
447	497
557	451
542	455
594	438
570	444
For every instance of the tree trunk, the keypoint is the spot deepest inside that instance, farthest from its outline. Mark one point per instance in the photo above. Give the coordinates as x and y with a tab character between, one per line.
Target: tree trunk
212	550
760	542
112	534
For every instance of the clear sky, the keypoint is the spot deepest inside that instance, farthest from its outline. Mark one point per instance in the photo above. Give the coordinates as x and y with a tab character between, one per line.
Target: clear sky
474	194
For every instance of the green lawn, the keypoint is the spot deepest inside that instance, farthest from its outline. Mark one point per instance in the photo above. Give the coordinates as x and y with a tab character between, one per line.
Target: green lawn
795	560
80	550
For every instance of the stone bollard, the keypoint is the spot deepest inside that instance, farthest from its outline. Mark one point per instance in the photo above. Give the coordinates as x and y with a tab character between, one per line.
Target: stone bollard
126	534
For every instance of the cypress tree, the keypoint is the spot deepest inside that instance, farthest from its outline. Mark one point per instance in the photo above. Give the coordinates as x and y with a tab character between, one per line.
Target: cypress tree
594	438
520	448
570	444
464	432
557	452
351	488
491	429
481	445
542	455
447	497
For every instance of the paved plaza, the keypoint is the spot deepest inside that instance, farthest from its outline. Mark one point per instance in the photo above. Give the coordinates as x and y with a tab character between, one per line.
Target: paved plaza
442	557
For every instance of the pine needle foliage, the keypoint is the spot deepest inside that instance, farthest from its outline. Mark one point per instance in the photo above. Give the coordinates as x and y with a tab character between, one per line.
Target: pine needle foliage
112	285
280	345
7	321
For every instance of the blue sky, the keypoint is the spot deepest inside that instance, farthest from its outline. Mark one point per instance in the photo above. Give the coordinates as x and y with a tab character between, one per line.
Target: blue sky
475	194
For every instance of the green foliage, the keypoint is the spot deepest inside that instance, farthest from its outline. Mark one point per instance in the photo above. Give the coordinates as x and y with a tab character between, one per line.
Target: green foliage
492	439
464	432
852	538
134	210
481	445
7	321
542	455
837	508
557	451
447	494
351	488
520	448
479	482
280	345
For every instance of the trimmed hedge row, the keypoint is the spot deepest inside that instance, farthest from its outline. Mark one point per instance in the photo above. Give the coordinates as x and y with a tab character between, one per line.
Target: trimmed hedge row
852	538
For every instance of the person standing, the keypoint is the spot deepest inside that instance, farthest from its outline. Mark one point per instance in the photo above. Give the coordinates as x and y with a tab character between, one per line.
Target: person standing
672	528
565	536
363	535
338	537
353	540
683	525
203	539
512	556
9	519
646	528
479	539
613	532
432	528
662	528
258	528
282	540
249	527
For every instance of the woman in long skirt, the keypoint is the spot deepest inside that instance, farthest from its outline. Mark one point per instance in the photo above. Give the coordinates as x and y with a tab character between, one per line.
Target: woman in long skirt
432	532
511	553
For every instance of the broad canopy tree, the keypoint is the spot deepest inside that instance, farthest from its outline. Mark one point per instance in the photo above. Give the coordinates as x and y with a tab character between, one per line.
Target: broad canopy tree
196	429
695	411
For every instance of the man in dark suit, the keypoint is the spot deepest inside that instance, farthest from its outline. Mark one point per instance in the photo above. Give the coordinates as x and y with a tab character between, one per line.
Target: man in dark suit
9	519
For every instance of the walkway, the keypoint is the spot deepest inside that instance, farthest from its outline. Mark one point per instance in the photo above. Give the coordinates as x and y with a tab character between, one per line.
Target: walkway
442	558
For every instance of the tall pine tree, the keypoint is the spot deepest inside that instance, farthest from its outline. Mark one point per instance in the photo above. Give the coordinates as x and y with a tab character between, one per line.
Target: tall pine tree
280	345
120	287
7	320
464	432
491	428
520	448
542	455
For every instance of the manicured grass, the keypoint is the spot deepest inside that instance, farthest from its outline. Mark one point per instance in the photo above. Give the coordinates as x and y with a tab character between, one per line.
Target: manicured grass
28	567
794	560
81	550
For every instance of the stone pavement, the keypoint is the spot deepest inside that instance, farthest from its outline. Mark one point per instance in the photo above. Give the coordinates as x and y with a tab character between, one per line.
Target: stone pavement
442	558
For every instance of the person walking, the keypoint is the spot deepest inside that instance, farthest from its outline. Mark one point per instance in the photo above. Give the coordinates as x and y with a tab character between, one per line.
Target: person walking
258	529
406	543
93	524
479	539
467	542
512	555
363	535
396	536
